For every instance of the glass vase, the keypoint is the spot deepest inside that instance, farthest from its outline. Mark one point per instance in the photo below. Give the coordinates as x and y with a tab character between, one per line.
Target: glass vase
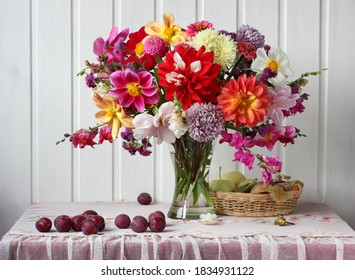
191	161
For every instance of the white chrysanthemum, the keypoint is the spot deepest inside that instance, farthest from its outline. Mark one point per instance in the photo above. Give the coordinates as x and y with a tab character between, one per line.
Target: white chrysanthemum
223	46
277	61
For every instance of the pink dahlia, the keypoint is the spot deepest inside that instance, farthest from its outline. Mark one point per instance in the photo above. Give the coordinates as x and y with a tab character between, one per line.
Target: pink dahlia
135	89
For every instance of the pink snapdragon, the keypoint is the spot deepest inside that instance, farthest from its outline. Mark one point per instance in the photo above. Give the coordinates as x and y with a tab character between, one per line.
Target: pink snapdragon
83	138
105	134
245	157
135	89
269	166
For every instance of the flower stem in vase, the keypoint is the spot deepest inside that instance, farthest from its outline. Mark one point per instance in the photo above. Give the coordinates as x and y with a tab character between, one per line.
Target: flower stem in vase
191	161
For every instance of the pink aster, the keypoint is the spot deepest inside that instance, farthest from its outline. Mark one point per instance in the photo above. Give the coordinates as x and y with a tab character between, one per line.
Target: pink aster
282	99
196	27
135	89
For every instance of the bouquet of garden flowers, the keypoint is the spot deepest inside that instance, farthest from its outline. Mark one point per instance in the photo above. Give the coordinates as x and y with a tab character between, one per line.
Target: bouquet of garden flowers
165	82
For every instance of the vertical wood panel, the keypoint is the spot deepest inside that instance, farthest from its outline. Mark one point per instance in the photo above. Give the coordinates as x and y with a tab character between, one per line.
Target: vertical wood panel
52	100
340	175
250	13
133	174
92	167
216	12
303	51
15	111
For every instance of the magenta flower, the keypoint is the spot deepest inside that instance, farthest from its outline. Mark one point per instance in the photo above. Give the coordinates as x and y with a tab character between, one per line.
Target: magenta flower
289	135
270	165
244	157
268	136
154	45
134	89
100	45
225	137
266	176
196	27
83	138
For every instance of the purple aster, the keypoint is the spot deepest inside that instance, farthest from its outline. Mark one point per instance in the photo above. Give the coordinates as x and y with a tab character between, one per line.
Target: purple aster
249	34
205	122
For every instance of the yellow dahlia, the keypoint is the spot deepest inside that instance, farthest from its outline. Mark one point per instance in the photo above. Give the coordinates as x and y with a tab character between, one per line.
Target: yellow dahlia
171	33
223	46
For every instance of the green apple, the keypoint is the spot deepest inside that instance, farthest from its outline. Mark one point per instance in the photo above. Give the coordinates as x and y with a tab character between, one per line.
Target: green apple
222	186
235	177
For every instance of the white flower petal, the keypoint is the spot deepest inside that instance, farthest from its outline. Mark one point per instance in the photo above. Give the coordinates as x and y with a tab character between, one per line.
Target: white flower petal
195	66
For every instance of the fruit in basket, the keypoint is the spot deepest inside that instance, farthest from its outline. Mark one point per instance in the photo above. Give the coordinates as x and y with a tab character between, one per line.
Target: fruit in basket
63	223
122	221
235	177
144	199
77	221
222	186
246	185
89	227
44	224
139	224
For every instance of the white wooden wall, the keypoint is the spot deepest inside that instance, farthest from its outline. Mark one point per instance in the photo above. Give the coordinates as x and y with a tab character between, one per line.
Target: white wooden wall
44	44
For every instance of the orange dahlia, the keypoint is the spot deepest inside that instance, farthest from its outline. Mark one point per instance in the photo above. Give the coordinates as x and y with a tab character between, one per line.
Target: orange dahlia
244	101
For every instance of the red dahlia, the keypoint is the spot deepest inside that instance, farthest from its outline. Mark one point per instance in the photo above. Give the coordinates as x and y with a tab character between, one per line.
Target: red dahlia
189	74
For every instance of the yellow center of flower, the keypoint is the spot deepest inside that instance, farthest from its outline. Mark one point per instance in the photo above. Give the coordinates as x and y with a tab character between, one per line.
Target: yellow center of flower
245	102
273	65
139	49
111	113
268	137
168	32
133	89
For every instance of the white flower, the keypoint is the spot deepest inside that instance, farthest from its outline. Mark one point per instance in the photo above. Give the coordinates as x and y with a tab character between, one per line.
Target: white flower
177	125
276	60
209	219
158	126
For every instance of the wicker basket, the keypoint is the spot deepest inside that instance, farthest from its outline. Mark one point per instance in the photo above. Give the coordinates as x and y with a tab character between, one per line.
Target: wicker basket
253	205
